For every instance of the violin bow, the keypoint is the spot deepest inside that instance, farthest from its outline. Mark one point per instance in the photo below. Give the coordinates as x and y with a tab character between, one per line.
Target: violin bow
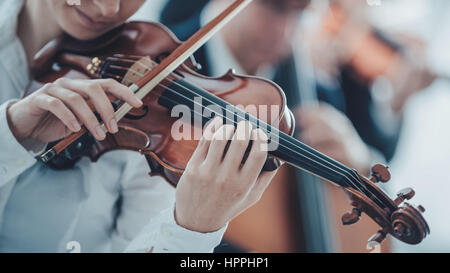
150	80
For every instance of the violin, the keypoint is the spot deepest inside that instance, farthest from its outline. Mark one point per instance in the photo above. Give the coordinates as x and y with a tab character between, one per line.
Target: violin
149	59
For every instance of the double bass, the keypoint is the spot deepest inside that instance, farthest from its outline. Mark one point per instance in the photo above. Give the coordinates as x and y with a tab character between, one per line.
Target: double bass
159	69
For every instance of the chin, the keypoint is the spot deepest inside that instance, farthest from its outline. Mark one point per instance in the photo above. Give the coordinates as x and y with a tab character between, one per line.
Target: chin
75	29
83	34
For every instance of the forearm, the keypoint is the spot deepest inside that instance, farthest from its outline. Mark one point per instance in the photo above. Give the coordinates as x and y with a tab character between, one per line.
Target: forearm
15	158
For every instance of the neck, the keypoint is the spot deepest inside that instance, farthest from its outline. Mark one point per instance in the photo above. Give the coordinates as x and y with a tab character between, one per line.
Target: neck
37	26
231	40
250	68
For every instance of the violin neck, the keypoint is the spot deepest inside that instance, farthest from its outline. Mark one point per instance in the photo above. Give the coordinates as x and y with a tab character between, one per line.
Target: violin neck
301	156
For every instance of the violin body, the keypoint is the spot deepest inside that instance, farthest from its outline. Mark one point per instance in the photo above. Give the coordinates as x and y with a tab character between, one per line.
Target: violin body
148	129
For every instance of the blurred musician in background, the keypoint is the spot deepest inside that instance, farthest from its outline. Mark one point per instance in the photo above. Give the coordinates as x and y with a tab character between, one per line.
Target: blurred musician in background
260	43
392	64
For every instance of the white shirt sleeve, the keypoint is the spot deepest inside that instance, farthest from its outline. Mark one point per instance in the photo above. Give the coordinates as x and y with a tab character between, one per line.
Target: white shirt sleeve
145	222
14	157
163	235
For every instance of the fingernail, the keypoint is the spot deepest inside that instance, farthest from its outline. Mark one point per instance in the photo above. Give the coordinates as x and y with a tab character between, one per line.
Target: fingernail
100	132
263	135
278	162
218	122
76	126
113	125
139	101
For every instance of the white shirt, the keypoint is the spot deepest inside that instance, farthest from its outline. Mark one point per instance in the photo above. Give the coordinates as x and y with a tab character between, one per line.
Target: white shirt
104	206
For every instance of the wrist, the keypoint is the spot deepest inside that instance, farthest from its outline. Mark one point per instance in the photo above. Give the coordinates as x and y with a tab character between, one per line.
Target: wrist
163	234
195	227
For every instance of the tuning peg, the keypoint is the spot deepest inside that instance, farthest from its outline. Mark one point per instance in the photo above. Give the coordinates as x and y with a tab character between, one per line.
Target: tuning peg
405	194
421	208
376	239
380	173
352	217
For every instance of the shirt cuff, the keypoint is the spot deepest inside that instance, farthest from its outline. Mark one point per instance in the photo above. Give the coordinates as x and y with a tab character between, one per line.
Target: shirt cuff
14	157
164	235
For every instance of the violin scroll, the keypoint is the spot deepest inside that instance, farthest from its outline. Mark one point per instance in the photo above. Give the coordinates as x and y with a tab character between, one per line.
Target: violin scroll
408	224
396	217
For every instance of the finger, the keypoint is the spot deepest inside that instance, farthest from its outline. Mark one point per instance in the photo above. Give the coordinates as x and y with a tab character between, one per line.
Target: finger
108	85
120	91
201	151
261	185
81	109
218	143
272	164
238	145
100	101
96	92
211	128
60	110
257	156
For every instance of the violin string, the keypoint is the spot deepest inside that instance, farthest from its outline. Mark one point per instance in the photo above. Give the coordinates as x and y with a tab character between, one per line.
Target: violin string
195	112
352	177
140	63
199	113
352	180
